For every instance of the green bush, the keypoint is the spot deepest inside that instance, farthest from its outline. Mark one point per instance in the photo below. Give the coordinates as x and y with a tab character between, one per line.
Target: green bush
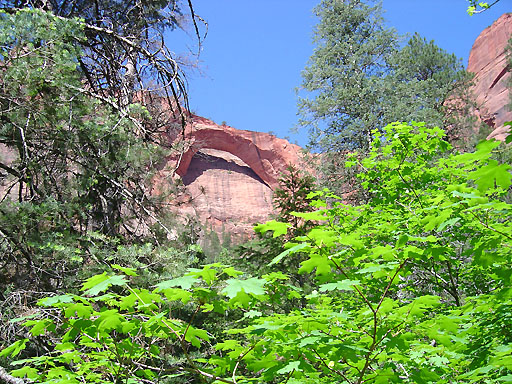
412	287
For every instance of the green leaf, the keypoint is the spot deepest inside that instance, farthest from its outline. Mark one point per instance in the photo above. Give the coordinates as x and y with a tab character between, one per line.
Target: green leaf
323	236
312	216
125	270
486	147
447	223
320	262
285	253
291	366
109	319
185	282
228	345
490	174
344	285
439	361
232	272
276	226
175	294
194	334
508	378
252	286
310	340
208	274
101	283
26	371
508	139
423	303
38	326
51	301
252	314
15	348
65	347
372	267
78	309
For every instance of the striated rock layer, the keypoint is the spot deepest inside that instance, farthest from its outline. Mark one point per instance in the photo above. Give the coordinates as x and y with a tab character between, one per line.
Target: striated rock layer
226	194
228	175
267	155
487	60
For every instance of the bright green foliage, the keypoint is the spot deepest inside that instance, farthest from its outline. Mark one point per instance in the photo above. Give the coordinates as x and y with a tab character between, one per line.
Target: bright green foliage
408	283
112	335
415	286
476	6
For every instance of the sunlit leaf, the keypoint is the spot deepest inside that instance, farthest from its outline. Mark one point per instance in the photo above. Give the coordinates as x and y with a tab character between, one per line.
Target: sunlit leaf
276	226
101	283
252	286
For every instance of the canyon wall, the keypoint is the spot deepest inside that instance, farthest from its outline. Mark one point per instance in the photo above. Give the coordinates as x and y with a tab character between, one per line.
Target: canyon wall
228	175
488	62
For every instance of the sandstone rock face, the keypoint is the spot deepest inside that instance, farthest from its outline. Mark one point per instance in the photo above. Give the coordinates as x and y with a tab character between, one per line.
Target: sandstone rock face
267	155
488	61
225	194
229	175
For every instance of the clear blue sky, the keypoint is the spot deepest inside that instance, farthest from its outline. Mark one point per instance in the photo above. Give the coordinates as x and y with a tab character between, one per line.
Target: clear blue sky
252	58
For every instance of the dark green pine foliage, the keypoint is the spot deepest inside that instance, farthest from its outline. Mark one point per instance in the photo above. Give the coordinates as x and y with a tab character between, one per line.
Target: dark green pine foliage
360	79
75	171
292	197
426	83
344	74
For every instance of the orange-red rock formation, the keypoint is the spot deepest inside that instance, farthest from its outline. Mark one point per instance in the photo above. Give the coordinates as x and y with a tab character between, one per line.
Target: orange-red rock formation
229	175
488	61
267	155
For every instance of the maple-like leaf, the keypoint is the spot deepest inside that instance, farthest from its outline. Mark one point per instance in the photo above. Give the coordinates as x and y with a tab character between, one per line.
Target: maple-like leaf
252	286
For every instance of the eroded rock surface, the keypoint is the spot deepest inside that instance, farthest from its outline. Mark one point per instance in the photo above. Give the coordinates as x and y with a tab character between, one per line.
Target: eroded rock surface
229	175
488	61
267	155
226	194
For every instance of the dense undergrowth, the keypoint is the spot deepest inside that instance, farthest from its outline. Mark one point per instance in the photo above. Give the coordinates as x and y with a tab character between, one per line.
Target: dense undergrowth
412	286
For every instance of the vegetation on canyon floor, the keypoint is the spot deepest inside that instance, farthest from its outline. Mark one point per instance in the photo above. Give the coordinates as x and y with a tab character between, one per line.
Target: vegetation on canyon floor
411	282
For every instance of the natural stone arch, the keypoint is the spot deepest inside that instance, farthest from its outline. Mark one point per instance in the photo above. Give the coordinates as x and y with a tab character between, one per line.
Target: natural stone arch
267	155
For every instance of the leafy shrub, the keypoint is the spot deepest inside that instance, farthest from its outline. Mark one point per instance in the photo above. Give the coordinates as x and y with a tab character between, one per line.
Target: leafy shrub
413	286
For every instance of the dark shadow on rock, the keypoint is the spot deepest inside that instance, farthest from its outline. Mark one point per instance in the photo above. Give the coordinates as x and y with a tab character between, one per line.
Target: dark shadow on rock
201	162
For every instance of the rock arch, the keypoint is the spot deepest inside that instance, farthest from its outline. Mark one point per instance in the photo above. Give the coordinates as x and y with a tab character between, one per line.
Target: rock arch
267	155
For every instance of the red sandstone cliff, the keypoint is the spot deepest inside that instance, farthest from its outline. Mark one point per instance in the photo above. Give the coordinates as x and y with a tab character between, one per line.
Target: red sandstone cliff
488	61
228	175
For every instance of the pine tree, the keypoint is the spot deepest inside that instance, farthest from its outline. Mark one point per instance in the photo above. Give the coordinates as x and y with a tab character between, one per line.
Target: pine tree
359	79
345	74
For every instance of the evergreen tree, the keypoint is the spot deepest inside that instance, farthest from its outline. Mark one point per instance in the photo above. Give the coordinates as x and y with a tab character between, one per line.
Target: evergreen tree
291	197
75	167
428	84
361	80
345	75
